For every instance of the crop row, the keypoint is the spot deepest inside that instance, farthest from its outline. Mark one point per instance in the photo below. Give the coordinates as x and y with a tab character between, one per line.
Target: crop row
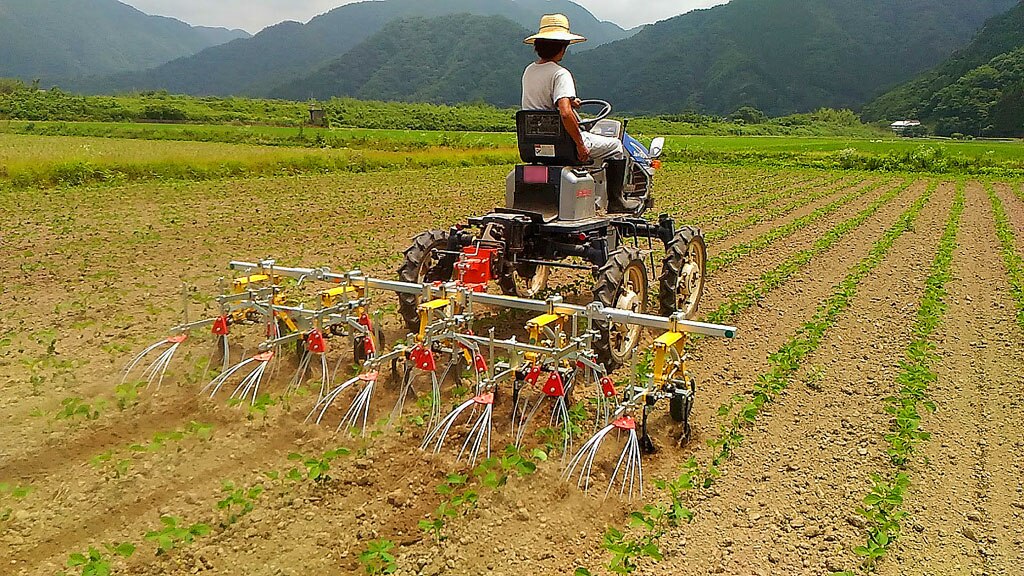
1011	258
769	280
768	194
740	250
761	211
882	506
648	525
689	192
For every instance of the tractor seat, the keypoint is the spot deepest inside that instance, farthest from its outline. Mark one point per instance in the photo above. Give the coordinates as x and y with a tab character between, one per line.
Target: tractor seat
544	140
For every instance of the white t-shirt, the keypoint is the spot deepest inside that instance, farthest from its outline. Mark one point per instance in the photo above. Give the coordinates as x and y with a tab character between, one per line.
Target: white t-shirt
545	84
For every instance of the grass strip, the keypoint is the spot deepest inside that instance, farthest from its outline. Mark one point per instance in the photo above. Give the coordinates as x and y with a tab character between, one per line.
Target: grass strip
740	250
84	173
1011	258
756	291
882	506
760	214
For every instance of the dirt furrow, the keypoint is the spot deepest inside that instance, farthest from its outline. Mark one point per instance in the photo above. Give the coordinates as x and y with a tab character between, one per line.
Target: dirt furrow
966	500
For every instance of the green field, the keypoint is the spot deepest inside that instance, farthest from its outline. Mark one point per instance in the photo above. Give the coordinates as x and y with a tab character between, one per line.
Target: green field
997	150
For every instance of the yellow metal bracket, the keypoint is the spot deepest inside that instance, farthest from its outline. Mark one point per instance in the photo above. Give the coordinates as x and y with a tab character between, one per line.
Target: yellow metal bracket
426	309
668	351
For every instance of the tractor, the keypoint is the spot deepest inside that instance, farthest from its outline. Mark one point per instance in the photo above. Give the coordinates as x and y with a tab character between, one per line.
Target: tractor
563	213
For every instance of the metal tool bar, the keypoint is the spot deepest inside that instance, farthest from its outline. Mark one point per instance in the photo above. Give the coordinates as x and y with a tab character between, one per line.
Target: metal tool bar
594	311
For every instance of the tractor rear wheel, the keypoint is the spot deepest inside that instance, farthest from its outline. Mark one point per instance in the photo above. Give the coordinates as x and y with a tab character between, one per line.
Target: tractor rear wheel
621	283
683	272
419	267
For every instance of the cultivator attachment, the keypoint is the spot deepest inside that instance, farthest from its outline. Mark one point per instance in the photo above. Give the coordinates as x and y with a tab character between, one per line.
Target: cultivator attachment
458	380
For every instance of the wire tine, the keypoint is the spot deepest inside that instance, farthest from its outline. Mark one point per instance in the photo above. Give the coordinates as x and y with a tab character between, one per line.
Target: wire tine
138	358
219	381
435	399
325	376
300	372
525	421
331	397
226	360
481	427
157	368
437	435
403	393
583	461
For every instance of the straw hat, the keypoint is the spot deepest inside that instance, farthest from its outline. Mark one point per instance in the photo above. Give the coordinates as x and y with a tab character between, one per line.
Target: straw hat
555	27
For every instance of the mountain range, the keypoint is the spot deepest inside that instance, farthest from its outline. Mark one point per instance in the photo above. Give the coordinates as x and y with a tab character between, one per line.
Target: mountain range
780	56
282	53
426	60
58	39
979	90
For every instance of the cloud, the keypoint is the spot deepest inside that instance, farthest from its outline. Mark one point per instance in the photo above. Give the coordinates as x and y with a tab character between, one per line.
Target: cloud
251	15
254	15
630	14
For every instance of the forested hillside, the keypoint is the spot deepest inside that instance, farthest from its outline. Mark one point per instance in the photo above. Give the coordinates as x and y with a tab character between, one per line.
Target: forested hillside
976	91
780	56
290	50
436	60
58	39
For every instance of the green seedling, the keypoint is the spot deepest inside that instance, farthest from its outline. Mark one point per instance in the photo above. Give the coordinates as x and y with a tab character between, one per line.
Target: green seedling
316	468
120	467
882	511
626	551
171	535
238	501
377	558
127	394
260	406
72	408
97	563
15	491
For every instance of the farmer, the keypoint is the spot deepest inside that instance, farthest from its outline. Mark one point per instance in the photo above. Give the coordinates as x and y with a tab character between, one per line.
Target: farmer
548	86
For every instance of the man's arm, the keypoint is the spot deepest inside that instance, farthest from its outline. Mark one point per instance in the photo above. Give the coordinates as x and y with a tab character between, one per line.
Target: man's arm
572	124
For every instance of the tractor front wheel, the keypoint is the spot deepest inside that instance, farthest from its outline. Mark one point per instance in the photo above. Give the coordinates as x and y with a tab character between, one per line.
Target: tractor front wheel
419	267
621	283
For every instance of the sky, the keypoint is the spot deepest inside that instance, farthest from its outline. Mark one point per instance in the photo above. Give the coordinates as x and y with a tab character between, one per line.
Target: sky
254	15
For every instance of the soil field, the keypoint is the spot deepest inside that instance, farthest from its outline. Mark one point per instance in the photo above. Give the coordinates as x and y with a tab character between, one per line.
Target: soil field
871	308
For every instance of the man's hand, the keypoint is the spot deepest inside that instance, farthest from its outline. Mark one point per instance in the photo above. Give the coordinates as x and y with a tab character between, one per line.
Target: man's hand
582	153
576	103
572	125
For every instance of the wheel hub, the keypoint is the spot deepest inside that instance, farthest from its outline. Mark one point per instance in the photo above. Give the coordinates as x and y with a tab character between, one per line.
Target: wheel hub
629	300
689	279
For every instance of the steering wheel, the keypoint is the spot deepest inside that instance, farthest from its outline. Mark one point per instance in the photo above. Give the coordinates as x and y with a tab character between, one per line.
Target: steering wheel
606	109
